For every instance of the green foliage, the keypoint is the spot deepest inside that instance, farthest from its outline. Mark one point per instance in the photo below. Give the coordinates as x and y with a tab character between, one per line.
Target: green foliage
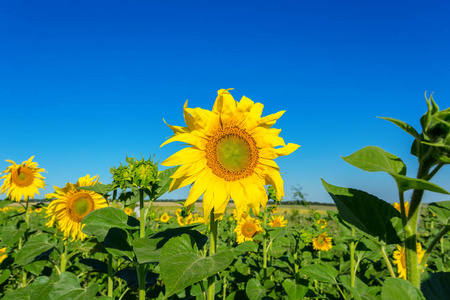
442	211
397	288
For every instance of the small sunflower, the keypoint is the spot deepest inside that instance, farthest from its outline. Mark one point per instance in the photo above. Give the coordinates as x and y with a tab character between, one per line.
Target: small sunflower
178	212
274	209
247	228
231	154
72	205
38	210
181	220
322	242
322	222
3	256
397	207
128	211
165	218
277	221
22	180
400	259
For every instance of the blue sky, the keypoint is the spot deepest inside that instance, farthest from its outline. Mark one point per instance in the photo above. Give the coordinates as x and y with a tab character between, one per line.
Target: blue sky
85	83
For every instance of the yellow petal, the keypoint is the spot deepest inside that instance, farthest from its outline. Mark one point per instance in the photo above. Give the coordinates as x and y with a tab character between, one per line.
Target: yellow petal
184	156
270	120
189	138
199	187
273	177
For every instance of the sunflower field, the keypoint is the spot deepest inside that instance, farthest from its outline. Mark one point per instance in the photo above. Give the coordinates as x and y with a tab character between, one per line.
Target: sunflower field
107	241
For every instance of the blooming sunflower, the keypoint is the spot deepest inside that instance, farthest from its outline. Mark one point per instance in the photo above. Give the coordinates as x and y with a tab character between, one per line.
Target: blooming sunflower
247	228
322	222
397	207
72	205
38	210
181	220
22	180
322	242
3	256
231	155
128	211
277	221
400	259
165	218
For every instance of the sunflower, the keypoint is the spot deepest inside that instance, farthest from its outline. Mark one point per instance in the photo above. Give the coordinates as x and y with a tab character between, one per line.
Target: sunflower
322	242
181	220
277	221
3	256
22	180
165	218
322	222
397	207
247	228
72	205
178	212
38	210
128	211
400	259
231	155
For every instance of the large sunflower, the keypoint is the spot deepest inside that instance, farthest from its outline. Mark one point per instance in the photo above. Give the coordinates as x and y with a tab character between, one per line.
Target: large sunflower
22	180
400	259
231	155
247	228
72	205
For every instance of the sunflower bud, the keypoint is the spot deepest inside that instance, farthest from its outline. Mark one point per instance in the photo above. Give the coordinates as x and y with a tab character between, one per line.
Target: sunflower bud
137	173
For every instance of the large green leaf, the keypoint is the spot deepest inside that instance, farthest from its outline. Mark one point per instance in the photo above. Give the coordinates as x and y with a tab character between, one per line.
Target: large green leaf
4	203
397	288
33	248
436	286
98	222
375	159
371	215
117	243
323	273
4	275
441	210
360	291
11	234
294	290
254	290
39	289
408	128
182	266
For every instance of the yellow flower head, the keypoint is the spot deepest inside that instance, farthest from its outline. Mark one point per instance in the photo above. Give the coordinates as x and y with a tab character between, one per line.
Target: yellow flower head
38	210
128	211
400	259
3	256
72	205
397	207
181	220
230	155
274	209
322	242
22	180
165	218
178	212
322	222
277	221
247	228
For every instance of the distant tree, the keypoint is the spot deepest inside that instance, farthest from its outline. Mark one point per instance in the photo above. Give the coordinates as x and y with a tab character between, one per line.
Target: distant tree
299	196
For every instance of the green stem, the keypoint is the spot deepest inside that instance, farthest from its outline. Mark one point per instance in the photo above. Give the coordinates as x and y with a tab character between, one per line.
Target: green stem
212	250
265	245
27	222
224	295
352	260
110	275
64	257
386	259
141	267
438	238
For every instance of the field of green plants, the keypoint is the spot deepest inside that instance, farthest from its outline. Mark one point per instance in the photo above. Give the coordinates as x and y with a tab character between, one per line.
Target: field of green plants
108	241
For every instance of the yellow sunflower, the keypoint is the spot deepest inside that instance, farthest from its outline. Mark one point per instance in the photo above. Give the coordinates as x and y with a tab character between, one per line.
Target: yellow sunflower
181	220
322	242
231	155
277	221
400	259
22	180
247	228
165	218
397	207
322	222
3	256
128	211
38	210
72	205
178	212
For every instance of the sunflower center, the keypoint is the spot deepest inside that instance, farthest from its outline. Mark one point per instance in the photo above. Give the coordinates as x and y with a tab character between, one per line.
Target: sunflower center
276	223
23	177
320	240
80	204
232	153
248	229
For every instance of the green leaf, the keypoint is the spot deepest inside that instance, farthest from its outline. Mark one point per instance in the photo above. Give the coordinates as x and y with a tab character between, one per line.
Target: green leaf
38	290
360	291
11	234
371	215
89	293
323	273
116	243
101	220
95	265
408	128
294	290
248	246
397	288
35	267
35	246
436	286
181	265
375	159
441	210
254	290
4	275
146	250
163	182
4	203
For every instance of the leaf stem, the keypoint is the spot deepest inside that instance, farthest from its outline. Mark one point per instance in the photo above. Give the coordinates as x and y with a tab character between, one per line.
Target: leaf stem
352	260
386	259
110	275
433	243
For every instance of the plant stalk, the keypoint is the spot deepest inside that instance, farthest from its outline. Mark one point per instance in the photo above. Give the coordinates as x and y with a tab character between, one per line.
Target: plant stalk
141	267
352	260
212	250
64	257
438	238
110	275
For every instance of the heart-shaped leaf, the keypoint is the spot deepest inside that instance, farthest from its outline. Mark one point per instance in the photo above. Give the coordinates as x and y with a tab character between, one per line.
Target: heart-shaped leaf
294	290
37	245
323	273
254	290
441	210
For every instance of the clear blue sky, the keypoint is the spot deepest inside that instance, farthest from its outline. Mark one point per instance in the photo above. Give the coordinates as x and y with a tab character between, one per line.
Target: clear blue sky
85	83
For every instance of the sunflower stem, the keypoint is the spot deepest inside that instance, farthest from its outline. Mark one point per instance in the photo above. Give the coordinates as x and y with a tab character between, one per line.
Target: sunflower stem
110	275
265	244
439	237
64	257
352	260
141	267
212	250
386	259
21	242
